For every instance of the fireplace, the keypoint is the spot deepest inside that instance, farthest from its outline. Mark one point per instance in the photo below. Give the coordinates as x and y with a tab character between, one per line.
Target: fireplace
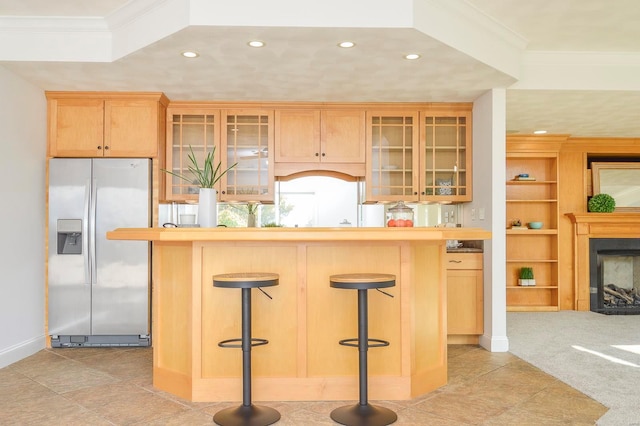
614	275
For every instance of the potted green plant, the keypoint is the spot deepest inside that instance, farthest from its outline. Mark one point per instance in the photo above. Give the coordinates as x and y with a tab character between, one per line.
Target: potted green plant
602	203
205	176
526	277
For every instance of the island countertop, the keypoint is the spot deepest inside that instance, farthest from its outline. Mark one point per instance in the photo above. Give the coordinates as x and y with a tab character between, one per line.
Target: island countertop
305	318
299	234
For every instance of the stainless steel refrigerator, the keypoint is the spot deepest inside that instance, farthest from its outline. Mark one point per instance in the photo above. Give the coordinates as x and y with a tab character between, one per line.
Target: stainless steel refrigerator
98	288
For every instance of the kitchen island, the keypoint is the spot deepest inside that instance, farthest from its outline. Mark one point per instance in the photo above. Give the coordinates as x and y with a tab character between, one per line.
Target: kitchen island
305	318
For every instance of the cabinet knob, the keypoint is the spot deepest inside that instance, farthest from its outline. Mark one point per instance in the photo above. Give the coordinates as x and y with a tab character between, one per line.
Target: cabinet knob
106	147
317	155
323	154
99	147
224	192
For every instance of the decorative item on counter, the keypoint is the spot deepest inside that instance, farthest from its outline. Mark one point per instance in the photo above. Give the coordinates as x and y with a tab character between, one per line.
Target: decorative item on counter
345	224
526	277
205	177
524	176
252	209
535	225
602	203
516	224
400	216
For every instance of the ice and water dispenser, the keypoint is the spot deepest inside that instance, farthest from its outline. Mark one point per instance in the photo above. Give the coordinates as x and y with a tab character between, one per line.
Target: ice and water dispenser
69	236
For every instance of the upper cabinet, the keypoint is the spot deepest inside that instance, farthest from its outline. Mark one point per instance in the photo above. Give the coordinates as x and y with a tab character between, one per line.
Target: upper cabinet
105	124
445	155
243	137
313	139
419	155
393	163
247	142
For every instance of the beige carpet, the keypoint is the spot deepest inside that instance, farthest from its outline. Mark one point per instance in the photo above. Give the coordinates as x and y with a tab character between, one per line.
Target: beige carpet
597	354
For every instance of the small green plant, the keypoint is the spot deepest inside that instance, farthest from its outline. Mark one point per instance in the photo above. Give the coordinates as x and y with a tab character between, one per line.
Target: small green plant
526	273
602	203
271	225
205	177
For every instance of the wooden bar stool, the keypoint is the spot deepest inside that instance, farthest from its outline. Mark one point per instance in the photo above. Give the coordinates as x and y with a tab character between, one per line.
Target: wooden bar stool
363	413
247	414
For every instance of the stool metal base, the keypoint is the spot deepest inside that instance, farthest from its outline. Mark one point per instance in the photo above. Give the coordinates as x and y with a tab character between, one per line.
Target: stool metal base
247	415
363	415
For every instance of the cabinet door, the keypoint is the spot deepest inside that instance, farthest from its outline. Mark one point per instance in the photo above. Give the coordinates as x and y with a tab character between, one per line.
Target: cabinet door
247	142
464	301
446	159
297	136
76	127
392	163
342	136
131	128
189	129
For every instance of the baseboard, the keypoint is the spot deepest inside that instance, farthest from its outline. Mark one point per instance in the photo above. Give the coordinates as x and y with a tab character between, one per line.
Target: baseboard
495	343
21	350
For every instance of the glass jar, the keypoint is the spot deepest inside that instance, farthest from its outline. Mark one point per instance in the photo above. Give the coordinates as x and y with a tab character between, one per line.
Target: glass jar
400	216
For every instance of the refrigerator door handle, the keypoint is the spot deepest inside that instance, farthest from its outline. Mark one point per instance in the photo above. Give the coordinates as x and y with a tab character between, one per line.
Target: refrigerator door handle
85	233
92	231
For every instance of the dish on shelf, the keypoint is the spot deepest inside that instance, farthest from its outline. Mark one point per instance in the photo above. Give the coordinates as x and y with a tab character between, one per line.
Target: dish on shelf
535	225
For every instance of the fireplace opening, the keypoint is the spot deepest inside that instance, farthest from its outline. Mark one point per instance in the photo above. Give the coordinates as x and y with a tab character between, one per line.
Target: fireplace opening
615	275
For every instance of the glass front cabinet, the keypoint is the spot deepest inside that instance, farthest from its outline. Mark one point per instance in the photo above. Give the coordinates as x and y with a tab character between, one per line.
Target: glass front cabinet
419	156
242	138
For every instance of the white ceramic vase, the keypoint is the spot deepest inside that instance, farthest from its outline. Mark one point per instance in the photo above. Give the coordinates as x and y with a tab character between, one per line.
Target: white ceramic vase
208	208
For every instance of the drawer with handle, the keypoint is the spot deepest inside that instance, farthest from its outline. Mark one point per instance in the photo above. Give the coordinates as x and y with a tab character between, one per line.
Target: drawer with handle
463	260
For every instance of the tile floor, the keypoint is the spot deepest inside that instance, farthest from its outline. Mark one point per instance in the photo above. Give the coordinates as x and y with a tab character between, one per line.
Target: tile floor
113	386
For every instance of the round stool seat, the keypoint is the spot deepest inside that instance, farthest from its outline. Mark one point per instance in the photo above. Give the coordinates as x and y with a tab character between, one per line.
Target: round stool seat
362	281
245	280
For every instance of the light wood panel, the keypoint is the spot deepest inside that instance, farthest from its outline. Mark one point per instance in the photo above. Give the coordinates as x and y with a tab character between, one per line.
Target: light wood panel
306	318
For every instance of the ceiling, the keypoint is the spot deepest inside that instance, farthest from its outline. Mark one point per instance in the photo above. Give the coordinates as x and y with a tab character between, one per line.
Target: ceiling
569	67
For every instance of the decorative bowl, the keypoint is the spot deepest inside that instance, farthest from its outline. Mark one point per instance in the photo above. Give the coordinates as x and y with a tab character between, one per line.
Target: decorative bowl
535	225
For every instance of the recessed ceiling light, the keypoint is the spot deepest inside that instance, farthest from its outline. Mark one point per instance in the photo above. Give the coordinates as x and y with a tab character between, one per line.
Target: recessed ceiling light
412	56
539	132
346	44
190	54
256	43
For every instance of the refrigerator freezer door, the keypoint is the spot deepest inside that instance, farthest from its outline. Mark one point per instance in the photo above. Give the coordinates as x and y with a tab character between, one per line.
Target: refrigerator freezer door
120	299
69	275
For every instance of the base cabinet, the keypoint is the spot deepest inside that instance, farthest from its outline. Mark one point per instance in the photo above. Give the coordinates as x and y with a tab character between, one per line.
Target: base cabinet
465	319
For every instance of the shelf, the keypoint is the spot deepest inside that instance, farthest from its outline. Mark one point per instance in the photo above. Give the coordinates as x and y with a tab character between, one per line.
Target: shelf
550	200
532	261
532	308
531	182
533	287
529	231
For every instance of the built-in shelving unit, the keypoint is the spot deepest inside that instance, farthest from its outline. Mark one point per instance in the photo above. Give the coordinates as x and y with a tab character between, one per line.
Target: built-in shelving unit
532	201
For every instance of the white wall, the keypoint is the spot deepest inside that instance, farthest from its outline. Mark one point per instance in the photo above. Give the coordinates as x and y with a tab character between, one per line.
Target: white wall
23	123
489	195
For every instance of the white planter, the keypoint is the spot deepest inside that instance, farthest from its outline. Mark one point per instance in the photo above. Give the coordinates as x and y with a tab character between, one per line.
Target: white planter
527	283
208	208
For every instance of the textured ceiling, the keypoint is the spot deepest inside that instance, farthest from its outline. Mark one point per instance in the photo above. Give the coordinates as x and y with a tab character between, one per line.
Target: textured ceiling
304	64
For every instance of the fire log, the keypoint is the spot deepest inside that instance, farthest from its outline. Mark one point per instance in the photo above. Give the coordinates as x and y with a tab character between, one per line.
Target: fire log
617	294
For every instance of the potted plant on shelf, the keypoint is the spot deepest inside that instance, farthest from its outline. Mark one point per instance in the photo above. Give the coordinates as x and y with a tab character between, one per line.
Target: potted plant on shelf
602	203
205	177
526	277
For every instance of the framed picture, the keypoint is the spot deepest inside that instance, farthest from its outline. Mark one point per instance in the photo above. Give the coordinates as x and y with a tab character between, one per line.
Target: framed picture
621	181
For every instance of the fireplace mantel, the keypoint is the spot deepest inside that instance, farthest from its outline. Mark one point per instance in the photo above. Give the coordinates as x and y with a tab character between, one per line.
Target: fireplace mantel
596	225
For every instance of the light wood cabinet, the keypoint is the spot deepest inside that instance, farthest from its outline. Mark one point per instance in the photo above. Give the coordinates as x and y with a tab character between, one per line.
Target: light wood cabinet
534	200
247	141
313	136
105	124
445	157
419	156
465	312
239	136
